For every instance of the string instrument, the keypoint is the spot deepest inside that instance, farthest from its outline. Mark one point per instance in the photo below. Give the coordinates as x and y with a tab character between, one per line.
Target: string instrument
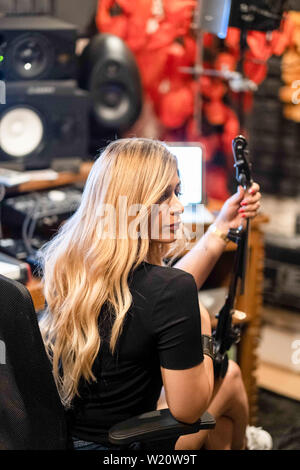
226	333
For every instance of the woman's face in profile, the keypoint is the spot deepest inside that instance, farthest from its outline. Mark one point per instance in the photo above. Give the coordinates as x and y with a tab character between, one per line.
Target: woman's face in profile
165	223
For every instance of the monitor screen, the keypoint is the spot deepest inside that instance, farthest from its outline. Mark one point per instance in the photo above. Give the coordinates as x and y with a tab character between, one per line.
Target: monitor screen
190	165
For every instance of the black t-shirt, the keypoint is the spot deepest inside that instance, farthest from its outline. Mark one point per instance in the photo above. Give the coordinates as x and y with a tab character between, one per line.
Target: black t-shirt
162	328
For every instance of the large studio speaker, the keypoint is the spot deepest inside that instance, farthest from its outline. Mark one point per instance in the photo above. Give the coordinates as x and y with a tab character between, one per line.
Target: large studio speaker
37	47
109	71
43	124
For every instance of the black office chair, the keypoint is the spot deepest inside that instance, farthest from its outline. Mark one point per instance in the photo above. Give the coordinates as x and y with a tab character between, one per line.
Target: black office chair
32	416
156	430
31	413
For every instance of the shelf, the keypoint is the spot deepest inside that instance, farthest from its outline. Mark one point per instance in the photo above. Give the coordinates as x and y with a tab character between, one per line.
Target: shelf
278	380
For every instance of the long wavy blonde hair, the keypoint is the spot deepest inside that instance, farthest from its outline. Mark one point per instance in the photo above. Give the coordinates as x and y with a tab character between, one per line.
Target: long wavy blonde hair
83	269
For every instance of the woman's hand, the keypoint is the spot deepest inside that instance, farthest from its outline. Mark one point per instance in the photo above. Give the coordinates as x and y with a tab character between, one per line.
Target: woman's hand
238	208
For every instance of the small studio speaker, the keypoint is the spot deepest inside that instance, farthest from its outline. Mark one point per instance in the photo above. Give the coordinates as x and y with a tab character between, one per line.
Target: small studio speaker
37	47
109	71
43	124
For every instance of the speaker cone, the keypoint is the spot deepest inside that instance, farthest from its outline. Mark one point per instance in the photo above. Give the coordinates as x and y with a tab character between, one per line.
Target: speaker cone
111	103
21	131
30	56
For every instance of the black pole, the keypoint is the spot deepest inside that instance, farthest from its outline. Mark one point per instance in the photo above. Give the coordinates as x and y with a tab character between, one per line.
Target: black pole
241	97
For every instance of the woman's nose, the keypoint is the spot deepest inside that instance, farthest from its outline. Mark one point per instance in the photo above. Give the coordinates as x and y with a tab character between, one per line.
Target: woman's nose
176	206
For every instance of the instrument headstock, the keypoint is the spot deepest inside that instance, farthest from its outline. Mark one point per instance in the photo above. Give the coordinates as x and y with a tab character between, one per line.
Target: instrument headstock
242	166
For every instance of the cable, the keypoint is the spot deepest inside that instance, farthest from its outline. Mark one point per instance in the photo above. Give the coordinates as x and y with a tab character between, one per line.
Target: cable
28	230
32	228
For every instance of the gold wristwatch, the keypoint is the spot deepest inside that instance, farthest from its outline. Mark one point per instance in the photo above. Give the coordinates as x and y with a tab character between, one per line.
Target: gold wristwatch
213	229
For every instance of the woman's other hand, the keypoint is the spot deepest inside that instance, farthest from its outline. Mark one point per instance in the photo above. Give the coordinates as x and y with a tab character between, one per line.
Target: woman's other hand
238	208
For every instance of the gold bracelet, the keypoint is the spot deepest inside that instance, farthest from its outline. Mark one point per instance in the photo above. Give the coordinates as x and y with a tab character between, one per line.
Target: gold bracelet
213	229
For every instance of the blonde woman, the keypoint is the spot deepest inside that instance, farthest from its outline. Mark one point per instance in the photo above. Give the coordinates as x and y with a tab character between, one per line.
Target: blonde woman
119	325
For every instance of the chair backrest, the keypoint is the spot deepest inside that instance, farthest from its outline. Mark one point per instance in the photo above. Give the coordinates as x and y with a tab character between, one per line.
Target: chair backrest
31	414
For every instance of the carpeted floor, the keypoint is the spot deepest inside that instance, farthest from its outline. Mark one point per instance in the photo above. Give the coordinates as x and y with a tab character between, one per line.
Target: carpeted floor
280	416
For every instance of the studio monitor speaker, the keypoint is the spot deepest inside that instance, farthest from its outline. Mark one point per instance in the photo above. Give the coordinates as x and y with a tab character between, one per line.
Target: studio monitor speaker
109	71
37	47
43	122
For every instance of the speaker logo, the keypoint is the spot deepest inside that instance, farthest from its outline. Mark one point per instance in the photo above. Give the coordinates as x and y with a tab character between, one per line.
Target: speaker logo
41	90
2	92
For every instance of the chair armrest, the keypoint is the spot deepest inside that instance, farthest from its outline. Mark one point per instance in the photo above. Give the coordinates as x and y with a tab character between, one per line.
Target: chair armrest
155	425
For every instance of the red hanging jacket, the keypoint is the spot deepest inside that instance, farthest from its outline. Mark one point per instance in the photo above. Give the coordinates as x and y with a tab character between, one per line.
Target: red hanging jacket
176	106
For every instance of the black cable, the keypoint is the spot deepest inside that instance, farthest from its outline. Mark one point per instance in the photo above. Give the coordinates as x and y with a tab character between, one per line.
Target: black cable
29	224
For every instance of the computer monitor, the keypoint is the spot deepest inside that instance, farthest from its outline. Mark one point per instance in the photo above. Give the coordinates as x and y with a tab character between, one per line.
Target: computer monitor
190	165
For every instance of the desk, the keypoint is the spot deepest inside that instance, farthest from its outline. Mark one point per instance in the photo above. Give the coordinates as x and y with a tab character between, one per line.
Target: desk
250	302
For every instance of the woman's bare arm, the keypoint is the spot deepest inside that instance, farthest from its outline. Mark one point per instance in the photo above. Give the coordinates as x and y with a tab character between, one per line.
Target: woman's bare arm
201	259
189	392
